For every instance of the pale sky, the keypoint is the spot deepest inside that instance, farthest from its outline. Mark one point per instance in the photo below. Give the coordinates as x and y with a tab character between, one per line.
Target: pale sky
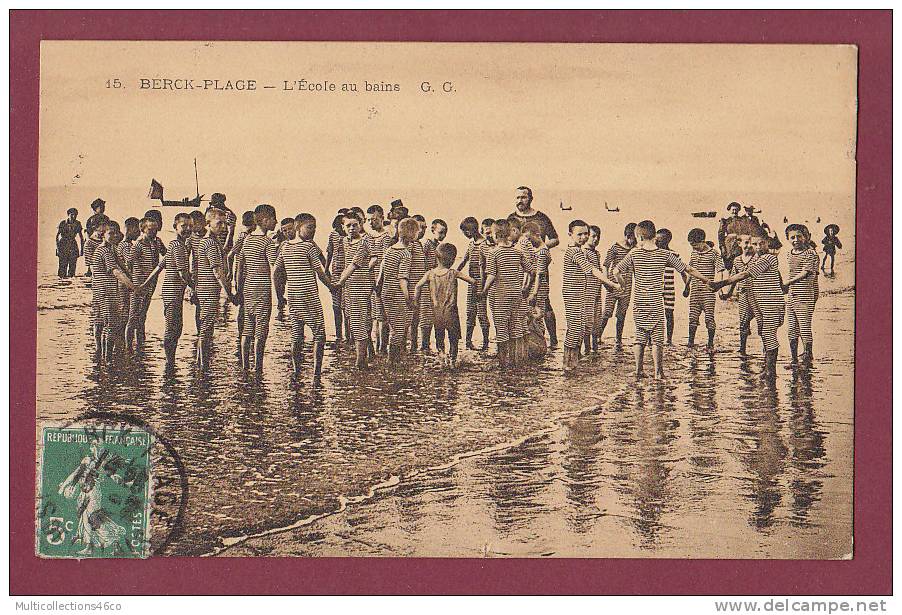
580	117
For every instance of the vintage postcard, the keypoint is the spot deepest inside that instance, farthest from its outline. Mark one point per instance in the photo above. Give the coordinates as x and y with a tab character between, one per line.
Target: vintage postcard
446	300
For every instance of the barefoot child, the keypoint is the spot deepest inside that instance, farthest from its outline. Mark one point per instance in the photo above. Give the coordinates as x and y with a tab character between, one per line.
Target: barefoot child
505	269
477	309
662	239
618	302
211	278
831	245
803	291
743	289
707	261
442	284
335	264
144	260
767	289
382	240
417	271
357	282
175	281
254	284
248	226
538	296
108	274
395	289
593	290
300	261
577	269
198	232
285	233
439	230
125	251
646	266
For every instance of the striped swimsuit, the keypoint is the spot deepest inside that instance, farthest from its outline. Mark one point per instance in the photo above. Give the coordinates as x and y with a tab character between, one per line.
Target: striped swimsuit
105	295
768	293
91	245
803	294
193	243
208	258
669	288
417	271
593	290
177	268
258	253
381	242
525	246
577	269
701	297
543	262
336	245
125	250
647	269
144	259
614	299
476	308
301	261
396	267
747	306
358	288
507	265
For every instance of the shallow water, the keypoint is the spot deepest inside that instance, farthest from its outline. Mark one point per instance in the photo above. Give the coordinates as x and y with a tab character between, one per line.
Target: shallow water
476	462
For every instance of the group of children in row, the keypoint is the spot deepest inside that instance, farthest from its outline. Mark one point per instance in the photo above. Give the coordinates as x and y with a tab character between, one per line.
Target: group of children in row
389	283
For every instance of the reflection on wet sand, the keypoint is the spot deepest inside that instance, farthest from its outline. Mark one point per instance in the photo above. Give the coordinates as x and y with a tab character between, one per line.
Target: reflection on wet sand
710	462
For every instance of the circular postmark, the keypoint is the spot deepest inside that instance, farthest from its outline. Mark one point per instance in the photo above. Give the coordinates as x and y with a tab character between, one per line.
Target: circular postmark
110	485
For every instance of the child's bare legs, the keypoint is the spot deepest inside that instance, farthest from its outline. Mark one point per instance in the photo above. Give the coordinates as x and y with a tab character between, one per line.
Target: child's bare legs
484	325
414	330
471	325
440	339
639	351
658	359
550	326
384	336
425	334
453	341
668	316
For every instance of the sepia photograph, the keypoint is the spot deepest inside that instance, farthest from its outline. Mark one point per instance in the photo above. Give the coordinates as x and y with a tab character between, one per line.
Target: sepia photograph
459	300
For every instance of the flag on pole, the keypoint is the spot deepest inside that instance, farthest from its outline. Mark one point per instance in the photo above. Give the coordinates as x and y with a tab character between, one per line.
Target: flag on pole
156	190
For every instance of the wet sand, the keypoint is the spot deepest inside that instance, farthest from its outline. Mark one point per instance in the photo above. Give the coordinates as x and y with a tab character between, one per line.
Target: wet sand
477	462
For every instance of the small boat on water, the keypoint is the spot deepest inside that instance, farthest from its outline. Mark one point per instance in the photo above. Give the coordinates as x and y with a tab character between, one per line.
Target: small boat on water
156	193
704	214
612	210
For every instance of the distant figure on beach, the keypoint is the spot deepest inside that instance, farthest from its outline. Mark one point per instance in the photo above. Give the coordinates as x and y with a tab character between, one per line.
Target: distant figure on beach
831	245
67	249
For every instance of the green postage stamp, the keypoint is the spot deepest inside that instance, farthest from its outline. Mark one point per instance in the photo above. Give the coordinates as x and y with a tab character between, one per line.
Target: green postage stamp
93	492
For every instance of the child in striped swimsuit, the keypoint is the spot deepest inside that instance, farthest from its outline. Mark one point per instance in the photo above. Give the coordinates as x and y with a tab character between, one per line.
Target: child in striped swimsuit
395	289
95	238
538	296
577	269
618	302
335	263
199	231
247	221
382	240
301	261
254	284
439	230
125	251
593	290
144	259
108	273
767	289
519	351
357	283
747	308
175	281
803	291
646	263
505	268
285	233
476	303
441	281
417	271
708	262
662	239
210	279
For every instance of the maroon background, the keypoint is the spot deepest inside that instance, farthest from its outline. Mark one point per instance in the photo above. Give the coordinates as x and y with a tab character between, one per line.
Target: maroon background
870	572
